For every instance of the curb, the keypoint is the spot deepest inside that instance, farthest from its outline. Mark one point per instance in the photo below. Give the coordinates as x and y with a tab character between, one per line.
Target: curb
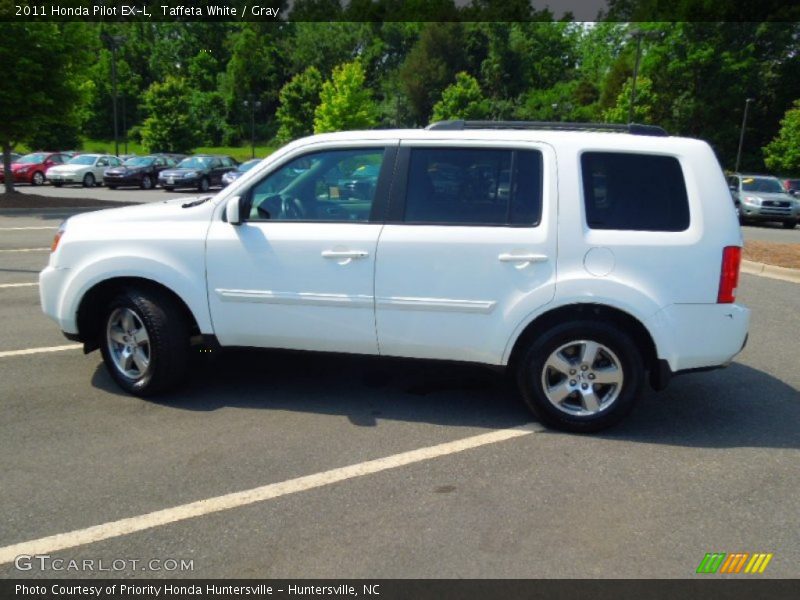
771	271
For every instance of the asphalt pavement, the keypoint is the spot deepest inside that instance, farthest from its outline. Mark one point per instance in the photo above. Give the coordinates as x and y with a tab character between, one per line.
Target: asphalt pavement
709	465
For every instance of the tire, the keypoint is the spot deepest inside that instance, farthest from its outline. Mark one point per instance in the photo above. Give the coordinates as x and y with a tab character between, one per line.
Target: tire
204	185
57	184
147	183
112	187
789	224
581	412
168	189
88	180
161	341
37	178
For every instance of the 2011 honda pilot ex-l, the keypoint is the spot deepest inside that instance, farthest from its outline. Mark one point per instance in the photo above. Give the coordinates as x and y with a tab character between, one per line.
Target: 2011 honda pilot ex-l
587	261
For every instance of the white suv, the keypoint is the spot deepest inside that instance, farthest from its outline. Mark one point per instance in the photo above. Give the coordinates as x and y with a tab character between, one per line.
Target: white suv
585	261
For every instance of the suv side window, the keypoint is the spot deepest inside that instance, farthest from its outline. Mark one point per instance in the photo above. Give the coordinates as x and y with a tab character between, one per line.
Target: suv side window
474	186
634	192
332	185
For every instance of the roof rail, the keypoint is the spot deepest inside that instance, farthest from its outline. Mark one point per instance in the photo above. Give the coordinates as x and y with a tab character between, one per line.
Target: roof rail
633	128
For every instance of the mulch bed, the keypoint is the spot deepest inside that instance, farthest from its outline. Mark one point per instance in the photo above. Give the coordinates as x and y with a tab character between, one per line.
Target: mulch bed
770	253
18	200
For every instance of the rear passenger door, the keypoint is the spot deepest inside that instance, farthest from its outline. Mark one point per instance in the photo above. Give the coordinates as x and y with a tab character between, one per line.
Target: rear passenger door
468	250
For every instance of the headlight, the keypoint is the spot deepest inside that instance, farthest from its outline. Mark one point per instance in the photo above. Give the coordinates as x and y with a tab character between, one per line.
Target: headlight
58	235
753	200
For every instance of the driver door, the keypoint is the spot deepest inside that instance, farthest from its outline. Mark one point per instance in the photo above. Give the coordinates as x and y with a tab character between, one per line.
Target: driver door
298	272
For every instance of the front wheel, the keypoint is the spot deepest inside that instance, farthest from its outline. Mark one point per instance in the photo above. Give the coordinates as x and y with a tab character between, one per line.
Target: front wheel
789	224
147	183
145	341
38	178
204	184
581	376
88	180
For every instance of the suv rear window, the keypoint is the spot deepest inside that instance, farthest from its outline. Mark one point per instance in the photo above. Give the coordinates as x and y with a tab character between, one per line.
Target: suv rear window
634	192
474	186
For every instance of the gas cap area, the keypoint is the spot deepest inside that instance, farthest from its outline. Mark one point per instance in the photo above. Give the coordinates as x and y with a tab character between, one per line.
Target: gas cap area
599	262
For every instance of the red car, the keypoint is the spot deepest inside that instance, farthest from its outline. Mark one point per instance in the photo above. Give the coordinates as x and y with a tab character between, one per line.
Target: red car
32	167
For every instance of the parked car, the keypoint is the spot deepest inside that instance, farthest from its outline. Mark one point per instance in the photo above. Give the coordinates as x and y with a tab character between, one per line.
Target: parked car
84	169
792	186
201	171
763	198
569	280
138	171
243	168
31	168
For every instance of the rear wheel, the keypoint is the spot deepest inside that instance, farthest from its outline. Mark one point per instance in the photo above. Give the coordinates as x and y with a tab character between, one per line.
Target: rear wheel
112	187
168	188
38	178
581	376
789	224
57	184
88	180
145	341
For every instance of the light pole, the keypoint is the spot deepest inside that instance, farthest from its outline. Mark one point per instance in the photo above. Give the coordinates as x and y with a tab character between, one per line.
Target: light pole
638	34
741	134
253	104
114	42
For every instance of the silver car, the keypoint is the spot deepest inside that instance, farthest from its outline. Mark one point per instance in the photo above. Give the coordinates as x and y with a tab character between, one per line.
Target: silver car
763	198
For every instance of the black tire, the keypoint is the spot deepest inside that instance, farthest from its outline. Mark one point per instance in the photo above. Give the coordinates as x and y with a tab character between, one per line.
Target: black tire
37	178
57	183
168	332
147	182
204	184
88	180
530	370
112	187
168	188
789	224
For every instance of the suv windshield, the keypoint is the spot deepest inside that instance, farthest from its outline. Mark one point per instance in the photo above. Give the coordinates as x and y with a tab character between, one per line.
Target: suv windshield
29	159
769	185
84	159
194	162
139	161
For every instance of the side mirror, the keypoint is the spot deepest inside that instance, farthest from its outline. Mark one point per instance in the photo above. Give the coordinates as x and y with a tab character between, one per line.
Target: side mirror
232	209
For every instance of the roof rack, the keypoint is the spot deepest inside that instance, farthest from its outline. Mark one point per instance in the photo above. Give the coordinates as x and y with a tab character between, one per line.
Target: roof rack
633	128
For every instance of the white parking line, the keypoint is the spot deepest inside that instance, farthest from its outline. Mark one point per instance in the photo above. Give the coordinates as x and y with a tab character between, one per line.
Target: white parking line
24	228
26	249
16	285
8	353
113	529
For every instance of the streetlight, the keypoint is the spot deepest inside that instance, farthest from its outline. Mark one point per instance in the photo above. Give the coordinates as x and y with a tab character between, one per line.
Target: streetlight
253	104
114	42
638	34
741	134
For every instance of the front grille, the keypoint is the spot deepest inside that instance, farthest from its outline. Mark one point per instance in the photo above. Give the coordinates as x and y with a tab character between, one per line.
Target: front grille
776	211
776	203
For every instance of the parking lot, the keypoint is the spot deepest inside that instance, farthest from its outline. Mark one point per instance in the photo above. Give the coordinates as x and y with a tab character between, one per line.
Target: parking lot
467	484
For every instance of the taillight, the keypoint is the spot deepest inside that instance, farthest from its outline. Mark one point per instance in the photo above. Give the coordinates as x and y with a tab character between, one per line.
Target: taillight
729	277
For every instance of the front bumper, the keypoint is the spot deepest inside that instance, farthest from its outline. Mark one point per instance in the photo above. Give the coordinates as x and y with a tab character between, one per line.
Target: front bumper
769	213
179	182
135	180
64	178
52	281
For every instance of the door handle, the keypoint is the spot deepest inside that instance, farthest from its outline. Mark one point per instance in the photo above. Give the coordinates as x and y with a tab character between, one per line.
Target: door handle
522	258
340	254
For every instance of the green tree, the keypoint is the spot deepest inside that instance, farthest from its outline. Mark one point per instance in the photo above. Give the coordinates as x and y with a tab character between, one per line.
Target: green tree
32	101
782	154
168	128
344	101
462	100
298	101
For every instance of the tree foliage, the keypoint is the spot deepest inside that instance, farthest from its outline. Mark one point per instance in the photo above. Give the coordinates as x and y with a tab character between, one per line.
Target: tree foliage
298	100
169	126
782	154
462	100
344	101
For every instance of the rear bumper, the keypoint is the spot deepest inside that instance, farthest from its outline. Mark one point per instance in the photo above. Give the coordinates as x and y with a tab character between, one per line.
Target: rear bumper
699	336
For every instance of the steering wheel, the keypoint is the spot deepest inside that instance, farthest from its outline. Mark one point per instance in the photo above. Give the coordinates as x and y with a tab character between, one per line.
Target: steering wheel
281	207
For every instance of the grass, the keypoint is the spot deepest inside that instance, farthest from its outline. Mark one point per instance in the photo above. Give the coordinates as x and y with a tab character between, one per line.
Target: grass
240	153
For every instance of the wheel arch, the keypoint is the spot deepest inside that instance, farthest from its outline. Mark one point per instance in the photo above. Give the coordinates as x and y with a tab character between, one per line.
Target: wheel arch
90	308
587	312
